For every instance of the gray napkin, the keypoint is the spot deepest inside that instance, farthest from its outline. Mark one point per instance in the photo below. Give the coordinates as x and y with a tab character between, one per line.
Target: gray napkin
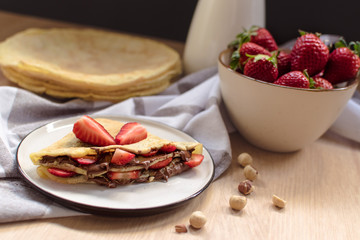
192	104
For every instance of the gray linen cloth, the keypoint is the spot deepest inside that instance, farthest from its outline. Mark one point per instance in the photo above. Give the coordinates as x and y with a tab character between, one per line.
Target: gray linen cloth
192	104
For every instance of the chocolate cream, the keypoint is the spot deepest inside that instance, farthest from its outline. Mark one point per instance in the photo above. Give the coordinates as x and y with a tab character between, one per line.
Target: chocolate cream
96	172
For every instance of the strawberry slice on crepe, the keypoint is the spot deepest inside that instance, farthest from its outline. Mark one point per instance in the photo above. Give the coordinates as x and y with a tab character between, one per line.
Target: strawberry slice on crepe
131	132
89	131
112	153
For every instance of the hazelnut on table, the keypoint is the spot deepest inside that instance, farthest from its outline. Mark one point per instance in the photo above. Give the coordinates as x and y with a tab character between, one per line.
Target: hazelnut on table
197	219
250	172
278	202
237	202
246	187
244	159
180	228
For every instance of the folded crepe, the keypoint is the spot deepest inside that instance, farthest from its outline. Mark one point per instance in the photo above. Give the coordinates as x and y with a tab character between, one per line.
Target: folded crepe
75	161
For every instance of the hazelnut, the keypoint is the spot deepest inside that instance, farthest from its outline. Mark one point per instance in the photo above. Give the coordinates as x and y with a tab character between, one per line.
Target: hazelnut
278	202
180	228
237	202
250	172
197	219
245	187
244	159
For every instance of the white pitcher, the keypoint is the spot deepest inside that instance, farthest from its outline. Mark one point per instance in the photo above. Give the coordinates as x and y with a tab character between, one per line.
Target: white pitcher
215	24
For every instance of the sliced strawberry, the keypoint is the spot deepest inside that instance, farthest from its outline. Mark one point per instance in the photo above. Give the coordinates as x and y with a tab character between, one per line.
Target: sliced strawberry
195	160
85	161
161	164
61	173
90	131
124	175
168	148
131	132
122	157
149	154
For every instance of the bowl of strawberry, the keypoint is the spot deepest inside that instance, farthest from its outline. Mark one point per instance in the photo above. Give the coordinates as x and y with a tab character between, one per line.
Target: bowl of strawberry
284	99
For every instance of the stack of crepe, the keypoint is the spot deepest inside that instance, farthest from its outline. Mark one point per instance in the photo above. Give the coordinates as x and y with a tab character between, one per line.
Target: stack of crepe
88	63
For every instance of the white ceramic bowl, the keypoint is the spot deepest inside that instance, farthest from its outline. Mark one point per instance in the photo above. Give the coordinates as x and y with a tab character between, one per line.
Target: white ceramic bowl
279	118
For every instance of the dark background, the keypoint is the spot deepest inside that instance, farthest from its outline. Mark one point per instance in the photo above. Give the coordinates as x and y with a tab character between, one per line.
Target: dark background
171	18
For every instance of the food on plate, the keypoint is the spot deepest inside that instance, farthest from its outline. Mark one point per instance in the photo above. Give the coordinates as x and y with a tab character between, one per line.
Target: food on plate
309	64
88	63
111	153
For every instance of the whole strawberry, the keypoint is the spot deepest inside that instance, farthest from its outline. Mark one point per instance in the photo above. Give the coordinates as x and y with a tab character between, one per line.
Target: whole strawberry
263	37
284	63
322	83
251	49
343	63
309	53
239	57
294	79
260	36
262	67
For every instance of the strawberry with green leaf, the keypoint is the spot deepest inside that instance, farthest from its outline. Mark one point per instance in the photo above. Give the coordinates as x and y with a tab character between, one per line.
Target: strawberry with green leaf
239	57
255	34
263	37
254	41
309	53
295	79
262	67
344	62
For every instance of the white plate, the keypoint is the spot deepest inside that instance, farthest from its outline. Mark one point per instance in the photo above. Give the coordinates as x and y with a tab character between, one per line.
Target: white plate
135	199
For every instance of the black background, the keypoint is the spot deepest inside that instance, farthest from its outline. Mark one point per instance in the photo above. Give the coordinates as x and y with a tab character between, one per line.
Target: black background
171	18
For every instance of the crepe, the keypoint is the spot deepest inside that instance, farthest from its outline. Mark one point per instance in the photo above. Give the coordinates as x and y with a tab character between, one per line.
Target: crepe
62	155
45	87
88	63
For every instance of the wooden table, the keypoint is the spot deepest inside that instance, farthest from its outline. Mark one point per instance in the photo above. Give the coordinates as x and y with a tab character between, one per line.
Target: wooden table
320	183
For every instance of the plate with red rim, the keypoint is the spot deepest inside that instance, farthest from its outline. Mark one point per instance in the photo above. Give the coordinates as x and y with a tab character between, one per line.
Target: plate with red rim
128	200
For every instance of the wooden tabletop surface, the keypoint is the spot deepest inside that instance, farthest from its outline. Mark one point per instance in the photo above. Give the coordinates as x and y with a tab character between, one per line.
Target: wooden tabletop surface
321	184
